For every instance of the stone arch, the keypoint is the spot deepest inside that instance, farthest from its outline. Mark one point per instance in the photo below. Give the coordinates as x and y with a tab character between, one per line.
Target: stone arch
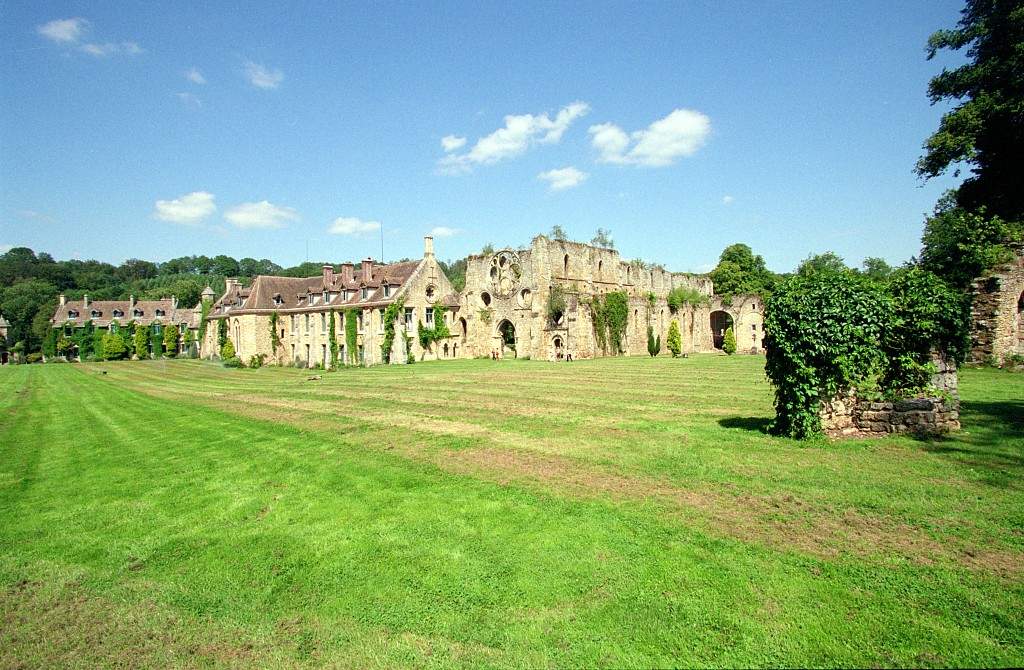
721	321
557	347
463	327
505	334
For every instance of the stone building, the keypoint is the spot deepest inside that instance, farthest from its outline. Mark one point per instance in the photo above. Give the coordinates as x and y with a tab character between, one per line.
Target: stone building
997	313
503	309
300	310
5	356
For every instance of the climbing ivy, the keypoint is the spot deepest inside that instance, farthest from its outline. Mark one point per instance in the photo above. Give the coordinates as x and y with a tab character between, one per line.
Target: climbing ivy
351	335
610	316
275	339
332	339
390	316
682	295
222	332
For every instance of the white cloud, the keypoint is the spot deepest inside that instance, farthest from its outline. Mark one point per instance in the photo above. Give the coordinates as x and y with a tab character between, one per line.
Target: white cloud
111	49
195	76
260	214
190	99
4	248
443	231
728	199
515	137
63	30
350	225
679	134
563	178
190	208
451	143
263	77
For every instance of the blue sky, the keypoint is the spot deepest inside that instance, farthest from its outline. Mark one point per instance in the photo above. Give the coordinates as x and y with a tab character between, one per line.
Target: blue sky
159	130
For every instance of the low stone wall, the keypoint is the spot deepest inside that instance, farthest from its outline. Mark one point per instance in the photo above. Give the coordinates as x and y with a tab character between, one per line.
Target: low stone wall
851	417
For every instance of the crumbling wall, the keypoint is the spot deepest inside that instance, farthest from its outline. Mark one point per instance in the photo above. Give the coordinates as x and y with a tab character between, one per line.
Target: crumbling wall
997	331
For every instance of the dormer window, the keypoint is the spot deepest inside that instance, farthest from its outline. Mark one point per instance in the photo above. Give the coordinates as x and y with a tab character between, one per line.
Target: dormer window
95	313
277	300
326	297
160	312
387	290
364	293
72	313
136	312
118	313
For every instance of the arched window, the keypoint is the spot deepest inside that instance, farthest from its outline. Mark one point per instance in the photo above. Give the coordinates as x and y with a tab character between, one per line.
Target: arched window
565	266
600	264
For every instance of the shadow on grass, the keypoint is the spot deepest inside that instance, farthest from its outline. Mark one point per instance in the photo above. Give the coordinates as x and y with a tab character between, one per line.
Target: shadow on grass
757	424
992	438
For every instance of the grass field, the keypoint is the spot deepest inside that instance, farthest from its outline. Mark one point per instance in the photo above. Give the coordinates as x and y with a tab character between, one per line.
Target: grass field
624	512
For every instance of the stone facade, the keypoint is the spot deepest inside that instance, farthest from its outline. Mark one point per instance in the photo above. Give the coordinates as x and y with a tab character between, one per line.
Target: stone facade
502	311
507	292
847	415
997	314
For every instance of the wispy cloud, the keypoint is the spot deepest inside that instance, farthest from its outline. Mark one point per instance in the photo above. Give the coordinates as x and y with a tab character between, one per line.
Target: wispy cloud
189	99
515	137
63	30
351	225
728	199
33	215
452	143
190	208
111	49
443	231
260	214
195	76
263	77
662	143
563	178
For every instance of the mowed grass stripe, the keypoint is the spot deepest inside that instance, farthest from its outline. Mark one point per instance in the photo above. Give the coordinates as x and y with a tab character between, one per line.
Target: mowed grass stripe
303	545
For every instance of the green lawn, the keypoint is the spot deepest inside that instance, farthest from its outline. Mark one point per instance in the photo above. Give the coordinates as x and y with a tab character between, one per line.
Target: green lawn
623	512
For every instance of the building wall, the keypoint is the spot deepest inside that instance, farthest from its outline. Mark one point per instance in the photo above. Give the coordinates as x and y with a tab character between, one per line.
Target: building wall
997	324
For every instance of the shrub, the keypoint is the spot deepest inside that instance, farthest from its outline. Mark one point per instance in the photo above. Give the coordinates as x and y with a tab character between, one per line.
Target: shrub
233	362
114	347
653	343
556	306
257	361
823	335
156	342
97	345
729	341
227	350
610	316
351	335
170	342
682	295
674	341
34	357
140	342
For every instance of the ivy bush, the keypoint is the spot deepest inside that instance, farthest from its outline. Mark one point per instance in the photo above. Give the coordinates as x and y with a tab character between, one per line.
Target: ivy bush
233	362
681	296
351	335
171	340
275	339
114	347
611	316
332	339
390	316
140	342
227	351
156	342
823	334
222	332
556	306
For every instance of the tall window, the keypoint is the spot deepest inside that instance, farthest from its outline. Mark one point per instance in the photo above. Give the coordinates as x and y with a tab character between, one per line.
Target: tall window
408	317
387	290
430	317
365	292
307	332
323	322
295	325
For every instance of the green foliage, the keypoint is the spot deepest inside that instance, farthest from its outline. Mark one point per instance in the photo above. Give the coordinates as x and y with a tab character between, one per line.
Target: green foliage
332	339
819	263
156	341
823	334
351	335
739	270
82	339
486	314
190	338
19	303
556	305
140	342
227	350
49	344
391	314
222	332
683	295
97	345
257	361
729	341
959	245
425	335
983	129
876	269
114	347
275	339
455	271
611	316
653	343
927	314
171	339
233	362
675	339
603	238
204	311
558	233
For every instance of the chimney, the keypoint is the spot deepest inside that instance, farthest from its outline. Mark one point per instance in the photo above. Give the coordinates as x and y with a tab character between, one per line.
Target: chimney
85	301
428	247
63	300
346	273
367	269
230	282
131	302
328	275
174	302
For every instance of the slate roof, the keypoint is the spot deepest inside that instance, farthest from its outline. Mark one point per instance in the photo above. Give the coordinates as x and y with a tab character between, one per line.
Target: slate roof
272	293
102	312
